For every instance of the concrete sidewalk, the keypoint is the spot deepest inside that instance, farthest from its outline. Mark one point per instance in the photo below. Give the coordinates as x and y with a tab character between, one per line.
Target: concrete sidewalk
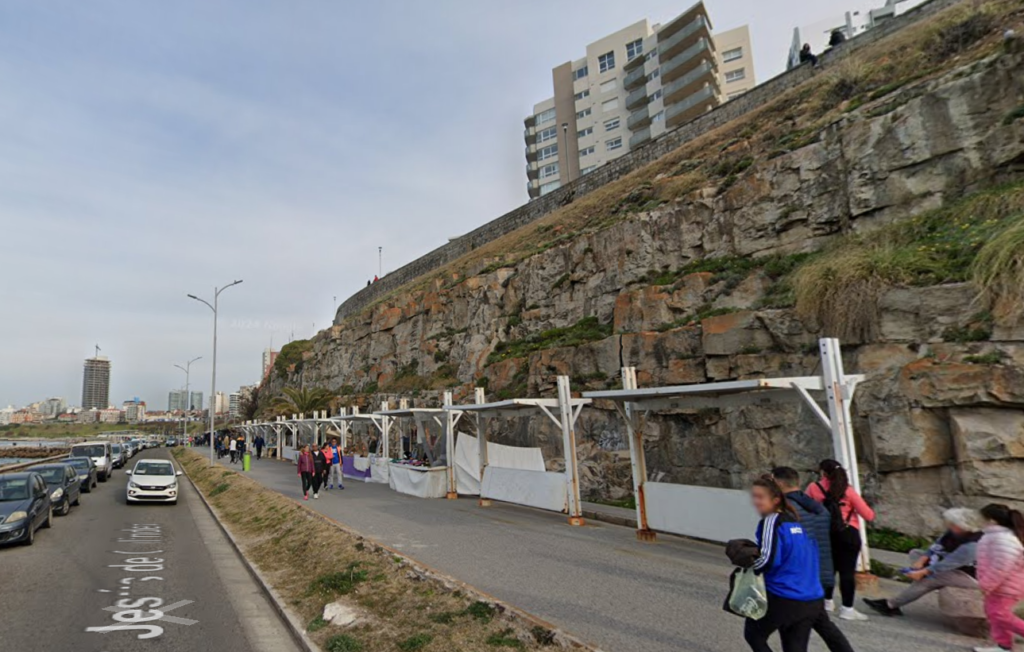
596	581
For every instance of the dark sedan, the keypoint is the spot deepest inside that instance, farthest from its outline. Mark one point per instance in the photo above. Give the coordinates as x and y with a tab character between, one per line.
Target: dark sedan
86	470
63	485
24	507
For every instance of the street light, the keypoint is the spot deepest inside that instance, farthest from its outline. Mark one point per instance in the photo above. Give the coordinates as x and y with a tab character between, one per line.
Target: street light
213	381
188	400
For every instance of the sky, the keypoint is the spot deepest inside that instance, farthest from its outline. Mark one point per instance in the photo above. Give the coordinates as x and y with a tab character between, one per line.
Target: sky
149	150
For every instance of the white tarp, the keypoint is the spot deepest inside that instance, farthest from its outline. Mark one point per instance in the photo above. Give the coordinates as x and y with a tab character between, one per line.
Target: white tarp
361	463
290	454
379	471
467	461
540	489
701	512
422	481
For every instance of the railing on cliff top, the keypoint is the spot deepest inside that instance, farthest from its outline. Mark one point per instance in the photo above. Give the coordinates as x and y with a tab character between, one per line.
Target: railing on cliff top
647	153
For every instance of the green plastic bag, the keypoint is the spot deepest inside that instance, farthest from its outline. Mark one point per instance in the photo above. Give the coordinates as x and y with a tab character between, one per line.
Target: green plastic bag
748	597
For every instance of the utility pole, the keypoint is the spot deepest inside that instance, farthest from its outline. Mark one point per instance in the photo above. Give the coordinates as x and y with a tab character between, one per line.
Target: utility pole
188	399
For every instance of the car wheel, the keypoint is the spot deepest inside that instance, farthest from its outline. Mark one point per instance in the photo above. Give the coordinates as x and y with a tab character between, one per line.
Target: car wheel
65	507
48	523
30	538
78	500
102	477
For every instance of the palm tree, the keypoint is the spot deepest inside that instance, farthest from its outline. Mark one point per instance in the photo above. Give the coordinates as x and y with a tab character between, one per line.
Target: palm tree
301	401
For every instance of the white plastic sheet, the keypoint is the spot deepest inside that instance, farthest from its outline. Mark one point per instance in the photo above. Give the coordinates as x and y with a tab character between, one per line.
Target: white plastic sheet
467	461
379	470
422	482
540	489
701	512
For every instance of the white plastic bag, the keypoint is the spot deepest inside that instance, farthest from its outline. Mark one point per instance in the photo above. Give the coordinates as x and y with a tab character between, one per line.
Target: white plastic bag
748	597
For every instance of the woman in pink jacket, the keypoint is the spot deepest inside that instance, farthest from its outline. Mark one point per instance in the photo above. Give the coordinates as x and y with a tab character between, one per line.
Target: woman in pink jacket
847	508
1001	574
306	470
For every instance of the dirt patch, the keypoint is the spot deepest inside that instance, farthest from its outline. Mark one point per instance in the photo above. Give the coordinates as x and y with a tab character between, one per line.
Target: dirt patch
311	561
31	452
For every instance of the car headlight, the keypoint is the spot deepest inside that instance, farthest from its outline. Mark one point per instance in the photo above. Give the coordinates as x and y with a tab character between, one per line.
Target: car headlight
57	493
17	516
132	485
173	485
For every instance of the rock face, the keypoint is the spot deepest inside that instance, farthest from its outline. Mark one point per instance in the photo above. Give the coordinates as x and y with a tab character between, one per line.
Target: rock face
933	429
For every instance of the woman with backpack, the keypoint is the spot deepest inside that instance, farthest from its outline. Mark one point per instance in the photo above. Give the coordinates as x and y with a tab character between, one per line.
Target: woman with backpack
788	561
1001	573
846	507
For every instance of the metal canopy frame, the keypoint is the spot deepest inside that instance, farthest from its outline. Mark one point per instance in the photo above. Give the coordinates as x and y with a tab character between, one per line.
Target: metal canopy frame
838	386
423	417
562	411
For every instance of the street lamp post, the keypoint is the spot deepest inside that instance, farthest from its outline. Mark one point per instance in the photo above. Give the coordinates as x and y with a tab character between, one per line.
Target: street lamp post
188	399
213	381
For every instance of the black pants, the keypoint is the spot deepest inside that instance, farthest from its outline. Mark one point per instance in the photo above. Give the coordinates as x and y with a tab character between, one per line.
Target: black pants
307	480
845	553
259	452
318	478
833	637
792	619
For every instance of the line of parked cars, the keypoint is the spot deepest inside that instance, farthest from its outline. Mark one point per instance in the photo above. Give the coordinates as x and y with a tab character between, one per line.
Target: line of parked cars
29	499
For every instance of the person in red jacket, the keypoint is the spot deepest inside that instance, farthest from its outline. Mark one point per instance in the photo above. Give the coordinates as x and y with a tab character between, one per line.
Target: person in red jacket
306	470
1001	573
847	508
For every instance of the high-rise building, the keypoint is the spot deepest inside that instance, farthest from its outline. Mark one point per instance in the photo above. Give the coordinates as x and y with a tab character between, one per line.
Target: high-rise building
234	405
269	356
176	401
196	402
630	87
96	383
220	403
52	407
134	410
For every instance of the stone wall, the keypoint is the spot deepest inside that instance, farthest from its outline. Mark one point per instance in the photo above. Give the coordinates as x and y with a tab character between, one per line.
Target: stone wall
535	210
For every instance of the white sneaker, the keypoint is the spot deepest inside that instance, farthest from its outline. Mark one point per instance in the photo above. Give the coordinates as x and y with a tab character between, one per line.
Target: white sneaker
849	613
316	495
830	605
994	648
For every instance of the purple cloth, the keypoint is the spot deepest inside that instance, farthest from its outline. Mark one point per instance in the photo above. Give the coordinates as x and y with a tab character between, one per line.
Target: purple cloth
348	468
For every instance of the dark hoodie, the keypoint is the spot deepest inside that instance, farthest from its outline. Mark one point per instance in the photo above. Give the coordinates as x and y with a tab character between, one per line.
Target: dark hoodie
818	523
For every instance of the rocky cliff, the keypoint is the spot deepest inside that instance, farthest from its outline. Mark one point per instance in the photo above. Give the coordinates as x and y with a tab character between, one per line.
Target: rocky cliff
856	205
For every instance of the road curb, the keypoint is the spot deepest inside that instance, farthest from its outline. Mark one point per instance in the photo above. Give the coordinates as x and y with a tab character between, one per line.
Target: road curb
560	638
295	627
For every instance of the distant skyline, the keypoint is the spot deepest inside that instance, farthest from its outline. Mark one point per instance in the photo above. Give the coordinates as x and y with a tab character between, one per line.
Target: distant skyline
153	150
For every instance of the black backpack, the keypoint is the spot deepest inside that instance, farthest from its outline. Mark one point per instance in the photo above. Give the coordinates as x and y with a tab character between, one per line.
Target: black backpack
835	512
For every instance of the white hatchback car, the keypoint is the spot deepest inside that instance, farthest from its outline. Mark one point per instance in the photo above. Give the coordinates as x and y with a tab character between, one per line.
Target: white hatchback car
153	481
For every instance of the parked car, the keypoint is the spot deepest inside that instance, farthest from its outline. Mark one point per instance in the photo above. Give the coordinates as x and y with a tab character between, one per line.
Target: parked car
86	470
171	442
63	484
101	456
119	455
153	481
24	507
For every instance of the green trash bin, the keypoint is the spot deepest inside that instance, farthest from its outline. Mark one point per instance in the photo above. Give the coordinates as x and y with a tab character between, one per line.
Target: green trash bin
246	461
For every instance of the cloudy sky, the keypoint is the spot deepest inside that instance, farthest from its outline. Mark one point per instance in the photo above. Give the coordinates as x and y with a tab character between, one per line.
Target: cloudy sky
154	149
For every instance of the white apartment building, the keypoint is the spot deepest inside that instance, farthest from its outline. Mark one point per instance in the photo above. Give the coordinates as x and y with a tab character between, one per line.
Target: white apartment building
234	404
630	87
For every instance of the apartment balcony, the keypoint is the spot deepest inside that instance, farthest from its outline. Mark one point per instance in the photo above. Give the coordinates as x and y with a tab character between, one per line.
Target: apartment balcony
692	107
528	134
532	172
671	45
637	98
534	191
674	68
640	137
635	62
639	119
705	74
530	122
634	79
531	153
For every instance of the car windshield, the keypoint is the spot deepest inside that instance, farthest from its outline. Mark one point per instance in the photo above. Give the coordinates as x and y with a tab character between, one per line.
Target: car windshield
116	448
80	463
13	489
153	468
89	450
52	475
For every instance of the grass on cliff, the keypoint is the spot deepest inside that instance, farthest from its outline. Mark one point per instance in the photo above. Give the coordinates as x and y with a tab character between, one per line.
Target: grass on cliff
291	354
979	238
588	329
310	562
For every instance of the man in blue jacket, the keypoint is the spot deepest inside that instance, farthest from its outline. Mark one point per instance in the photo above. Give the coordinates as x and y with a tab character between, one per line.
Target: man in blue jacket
818	523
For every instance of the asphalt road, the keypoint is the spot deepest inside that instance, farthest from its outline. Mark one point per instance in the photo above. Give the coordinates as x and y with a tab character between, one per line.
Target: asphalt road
62	593
596	581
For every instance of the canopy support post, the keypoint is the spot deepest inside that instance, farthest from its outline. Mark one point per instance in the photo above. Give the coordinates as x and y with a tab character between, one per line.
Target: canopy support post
449	447
572	473
637	458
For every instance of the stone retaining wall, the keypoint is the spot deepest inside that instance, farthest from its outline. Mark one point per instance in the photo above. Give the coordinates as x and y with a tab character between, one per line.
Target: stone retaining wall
534	210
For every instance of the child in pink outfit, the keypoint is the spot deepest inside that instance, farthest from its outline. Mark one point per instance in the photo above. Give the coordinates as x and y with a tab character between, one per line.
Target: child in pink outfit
1001	574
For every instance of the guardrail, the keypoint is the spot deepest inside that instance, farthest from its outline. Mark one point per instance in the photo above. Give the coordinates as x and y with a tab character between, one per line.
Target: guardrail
24	465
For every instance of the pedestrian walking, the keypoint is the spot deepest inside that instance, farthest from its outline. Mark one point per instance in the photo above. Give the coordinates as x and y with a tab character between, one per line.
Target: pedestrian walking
950	561
844	505
817	524
233	449
306	471
1001	574
319	469
335	473
788	561
259	443
329	461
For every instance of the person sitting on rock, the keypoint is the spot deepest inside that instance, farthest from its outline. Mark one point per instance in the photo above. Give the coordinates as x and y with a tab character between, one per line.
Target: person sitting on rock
950	561
807	56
